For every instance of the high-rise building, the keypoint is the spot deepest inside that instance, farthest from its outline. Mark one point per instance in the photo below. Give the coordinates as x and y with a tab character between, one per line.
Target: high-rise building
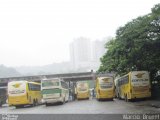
86	54
80	52
98	50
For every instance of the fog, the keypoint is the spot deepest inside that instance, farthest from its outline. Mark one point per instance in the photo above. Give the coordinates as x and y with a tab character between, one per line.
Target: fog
39	32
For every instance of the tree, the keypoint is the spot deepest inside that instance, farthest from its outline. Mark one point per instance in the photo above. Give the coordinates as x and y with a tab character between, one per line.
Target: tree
135	47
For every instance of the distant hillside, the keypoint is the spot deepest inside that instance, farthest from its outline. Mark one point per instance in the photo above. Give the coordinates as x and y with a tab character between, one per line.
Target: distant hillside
8	72
64	67
55	68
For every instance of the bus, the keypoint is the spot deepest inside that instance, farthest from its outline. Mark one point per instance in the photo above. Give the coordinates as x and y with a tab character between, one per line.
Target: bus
105	88
54	90
21	93
134	85
82	90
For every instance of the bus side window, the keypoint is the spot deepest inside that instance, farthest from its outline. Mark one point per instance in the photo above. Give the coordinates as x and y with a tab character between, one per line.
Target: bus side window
33	87
29	86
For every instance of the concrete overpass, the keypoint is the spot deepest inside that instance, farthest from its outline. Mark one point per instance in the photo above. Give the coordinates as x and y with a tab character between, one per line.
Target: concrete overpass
68	77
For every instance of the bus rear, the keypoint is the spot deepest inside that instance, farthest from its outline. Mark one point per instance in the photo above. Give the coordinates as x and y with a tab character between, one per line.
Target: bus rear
17	94
52	91
82	90
105	88
140	85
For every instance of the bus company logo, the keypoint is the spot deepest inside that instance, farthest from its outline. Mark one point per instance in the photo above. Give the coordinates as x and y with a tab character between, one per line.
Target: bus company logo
106	80
16	85
139	75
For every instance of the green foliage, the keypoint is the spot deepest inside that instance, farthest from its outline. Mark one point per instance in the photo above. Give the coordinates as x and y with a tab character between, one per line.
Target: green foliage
135	47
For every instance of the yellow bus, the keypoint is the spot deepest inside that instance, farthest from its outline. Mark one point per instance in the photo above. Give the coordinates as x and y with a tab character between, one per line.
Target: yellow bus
22	93
135	84
82	90
105	88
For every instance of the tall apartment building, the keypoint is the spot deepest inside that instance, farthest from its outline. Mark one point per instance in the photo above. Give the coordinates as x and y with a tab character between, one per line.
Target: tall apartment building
86	54
80	52
98	50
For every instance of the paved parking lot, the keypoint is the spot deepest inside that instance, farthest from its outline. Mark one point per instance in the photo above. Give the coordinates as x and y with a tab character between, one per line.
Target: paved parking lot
91	106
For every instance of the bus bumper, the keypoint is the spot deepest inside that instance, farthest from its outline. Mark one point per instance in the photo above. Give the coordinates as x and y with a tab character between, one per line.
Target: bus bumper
52	100
83	96
106	96
143	95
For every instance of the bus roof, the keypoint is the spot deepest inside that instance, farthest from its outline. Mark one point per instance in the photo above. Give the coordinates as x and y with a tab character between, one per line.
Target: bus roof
100	78
52	79
24	81
128	74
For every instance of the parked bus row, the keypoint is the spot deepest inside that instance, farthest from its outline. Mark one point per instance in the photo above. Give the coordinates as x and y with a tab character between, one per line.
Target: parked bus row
21	93
134	85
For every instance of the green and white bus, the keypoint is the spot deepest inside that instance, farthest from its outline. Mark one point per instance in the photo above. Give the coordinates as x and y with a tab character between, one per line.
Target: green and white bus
54	90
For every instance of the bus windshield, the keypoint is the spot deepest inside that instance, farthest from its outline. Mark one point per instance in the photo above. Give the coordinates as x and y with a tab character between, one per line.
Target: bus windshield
106	83
140	82
82	89
82	86
140	79
50	83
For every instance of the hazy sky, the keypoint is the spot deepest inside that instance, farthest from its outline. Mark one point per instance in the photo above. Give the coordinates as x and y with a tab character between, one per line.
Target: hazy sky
38	32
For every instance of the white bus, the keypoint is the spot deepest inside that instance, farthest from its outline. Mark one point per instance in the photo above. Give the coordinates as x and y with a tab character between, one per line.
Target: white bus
54	90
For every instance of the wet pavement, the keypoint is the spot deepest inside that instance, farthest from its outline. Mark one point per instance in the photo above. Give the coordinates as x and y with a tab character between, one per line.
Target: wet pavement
91	106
